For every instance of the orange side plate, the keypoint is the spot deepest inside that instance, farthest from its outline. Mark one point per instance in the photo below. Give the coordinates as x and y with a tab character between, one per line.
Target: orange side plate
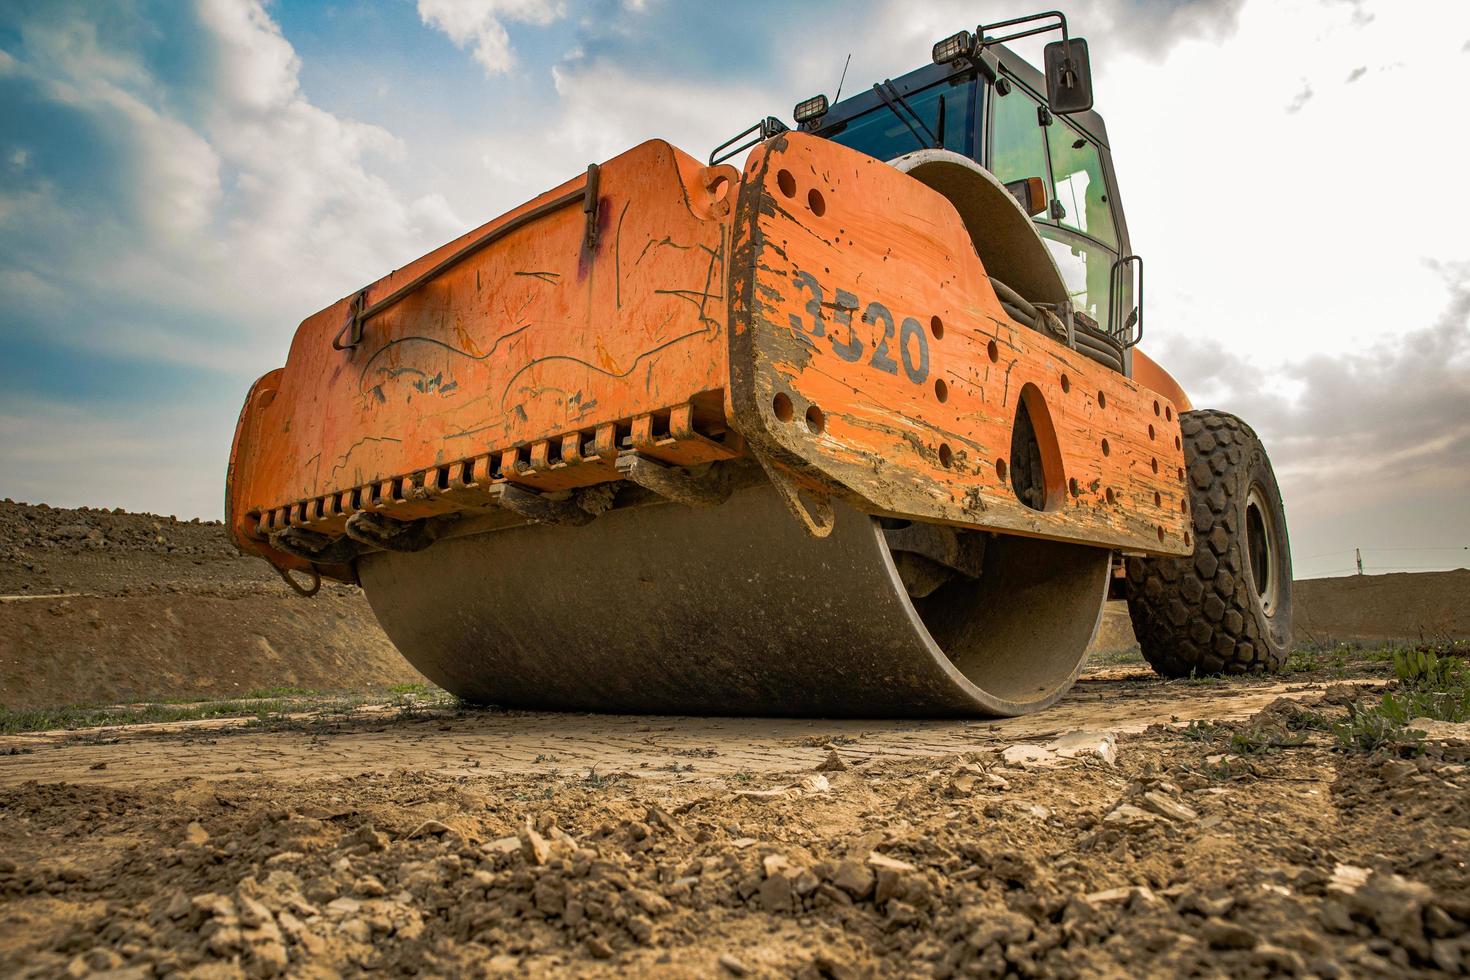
822	311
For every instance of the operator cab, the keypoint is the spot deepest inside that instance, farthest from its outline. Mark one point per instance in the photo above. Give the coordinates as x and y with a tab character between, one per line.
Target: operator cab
991	106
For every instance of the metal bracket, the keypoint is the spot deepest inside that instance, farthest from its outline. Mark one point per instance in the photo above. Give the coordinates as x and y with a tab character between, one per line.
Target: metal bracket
535	507
1125	333
764	130
709	490
962	551
589	204
390	534
353	327
313	546
1061	24
817	519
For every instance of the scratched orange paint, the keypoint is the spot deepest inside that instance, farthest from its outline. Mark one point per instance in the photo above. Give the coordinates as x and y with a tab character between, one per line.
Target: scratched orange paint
511	363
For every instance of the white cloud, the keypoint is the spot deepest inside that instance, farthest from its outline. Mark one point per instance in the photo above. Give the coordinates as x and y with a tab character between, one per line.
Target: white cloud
239	208
481	24
241	218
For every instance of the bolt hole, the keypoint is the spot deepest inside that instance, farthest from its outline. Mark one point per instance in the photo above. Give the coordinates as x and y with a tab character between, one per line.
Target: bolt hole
993	350
1102	400
1112	497
936	327
1155	464
1184	507
1107	450
1168	414
1181	474
783	408
1156	406
1177	444
815	420
941	390
1075	490
1188	541
946	455
1066	384
786	182
1000	469
1158	499
816	202
1150	430
1161	535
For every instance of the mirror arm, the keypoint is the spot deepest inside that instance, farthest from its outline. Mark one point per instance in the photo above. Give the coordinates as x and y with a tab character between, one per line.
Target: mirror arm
1045	28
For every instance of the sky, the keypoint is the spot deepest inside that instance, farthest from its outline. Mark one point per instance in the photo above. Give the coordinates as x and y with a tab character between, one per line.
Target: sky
183	181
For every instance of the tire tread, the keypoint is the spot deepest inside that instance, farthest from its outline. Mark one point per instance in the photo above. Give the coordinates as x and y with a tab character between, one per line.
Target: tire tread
1195	614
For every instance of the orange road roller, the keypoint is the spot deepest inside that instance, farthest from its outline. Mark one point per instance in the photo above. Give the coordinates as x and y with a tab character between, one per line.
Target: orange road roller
860	428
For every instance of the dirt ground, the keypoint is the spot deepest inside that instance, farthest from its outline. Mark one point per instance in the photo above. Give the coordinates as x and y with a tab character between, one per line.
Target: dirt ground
1106	838
1142	827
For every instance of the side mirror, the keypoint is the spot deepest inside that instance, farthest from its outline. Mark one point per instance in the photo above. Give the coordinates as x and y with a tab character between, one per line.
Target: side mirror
1030	193
1068	76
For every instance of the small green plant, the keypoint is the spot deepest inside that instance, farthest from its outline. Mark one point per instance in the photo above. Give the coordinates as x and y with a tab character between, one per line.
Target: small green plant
1369	729
1303	662
1303	720
1423	667
1258	741
284	691
1201	731
424	690
1430	682
597	780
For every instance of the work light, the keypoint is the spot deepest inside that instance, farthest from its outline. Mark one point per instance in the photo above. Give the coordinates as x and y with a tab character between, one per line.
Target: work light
810	110
954	47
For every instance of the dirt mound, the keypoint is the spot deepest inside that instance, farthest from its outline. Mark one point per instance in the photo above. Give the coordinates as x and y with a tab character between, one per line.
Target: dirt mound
1412	606
1370	608
102	606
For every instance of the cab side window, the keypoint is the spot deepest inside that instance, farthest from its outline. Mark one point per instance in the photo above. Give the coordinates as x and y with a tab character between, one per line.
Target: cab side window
1078	185
1018	146
1078	225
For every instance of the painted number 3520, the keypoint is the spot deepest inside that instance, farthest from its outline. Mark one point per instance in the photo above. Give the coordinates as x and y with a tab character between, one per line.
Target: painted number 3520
911	345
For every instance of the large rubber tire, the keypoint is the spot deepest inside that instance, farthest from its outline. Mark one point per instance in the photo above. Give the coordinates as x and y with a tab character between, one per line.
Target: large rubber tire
1227	607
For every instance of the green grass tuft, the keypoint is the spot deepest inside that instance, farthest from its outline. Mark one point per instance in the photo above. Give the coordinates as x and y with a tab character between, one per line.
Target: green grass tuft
1431	682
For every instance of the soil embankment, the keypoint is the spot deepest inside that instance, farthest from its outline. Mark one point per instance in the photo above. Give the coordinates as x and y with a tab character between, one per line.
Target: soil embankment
101	607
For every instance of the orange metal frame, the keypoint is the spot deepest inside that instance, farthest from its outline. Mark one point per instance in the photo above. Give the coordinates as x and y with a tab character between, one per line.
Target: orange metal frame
696	314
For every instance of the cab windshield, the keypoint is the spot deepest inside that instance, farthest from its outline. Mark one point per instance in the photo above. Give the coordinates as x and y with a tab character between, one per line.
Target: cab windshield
947	109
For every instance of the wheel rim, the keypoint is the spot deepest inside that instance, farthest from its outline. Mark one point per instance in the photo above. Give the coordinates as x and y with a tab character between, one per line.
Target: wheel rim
1260	532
